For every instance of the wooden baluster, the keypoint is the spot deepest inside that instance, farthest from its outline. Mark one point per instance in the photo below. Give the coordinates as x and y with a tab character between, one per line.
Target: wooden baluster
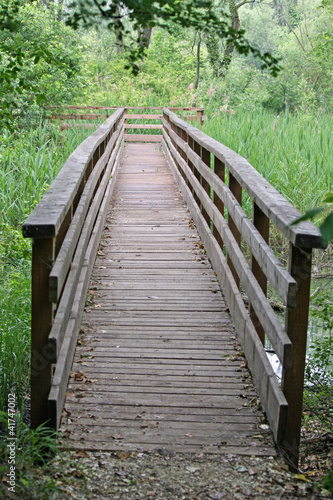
184	136
219	169
296	324
205	156
197	150
261	222
174	128
190	164
236	190
43	255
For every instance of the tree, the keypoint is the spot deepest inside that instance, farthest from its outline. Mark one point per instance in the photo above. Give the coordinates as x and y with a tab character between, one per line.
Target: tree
40	59
127	17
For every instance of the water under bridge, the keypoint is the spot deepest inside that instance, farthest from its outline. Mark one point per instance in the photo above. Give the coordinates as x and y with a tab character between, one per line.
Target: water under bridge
149	296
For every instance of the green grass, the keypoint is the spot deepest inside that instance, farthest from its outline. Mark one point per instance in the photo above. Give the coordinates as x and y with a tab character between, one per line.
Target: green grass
29	161
294	153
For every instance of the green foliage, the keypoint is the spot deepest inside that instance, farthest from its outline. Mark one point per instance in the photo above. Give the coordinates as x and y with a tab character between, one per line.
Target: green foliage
319	366
293	152
125	18
40	60
328	481
326	228
33	446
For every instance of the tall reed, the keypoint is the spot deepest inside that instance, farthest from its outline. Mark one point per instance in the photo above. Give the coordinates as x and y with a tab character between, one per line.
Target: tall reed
29	161
293	152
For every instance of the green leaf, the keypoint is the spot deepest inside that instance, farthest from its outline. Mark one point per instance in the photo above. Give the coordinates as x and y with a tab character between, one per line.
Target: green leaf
326	229
40	98
308	215
329	198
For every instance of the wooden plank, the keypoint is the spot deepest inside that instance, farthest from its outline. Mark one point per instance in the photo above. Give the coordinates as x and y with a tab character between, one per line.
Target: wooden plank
143	126
57	393
41	320
271	395
86	116
130	116
64	307
170	358
296	326
143	138
261	222
236	190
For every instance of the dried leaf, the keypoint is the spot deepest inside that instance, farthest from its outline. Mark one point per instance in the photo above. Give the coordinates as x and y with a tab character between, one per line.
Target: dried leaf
81	453
301	477
123	454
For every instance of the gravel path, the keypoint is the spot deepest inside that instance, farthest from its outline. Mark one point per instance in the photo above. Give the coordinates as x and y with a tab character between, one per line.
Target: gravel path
165	475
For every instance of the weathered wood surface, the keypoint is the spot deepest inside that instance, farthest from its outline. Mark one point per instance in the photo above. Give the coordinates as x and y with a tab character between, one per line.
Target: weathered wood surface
157	363
268	199
143	138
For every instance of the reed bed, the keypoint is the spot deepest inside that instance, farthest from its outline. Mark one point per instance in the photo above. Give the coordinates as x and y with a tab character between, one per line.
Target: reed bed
293	152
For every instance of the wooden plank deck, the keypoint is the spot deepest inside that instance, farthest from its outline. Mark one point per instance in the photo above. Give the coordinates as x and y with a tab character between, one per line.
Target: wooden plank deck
157	364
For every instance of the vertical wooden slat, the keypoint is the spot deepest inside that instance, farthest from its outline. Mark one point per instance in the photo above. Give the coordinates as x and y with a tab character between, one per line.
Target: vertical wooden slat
205	156
261	222
190	164
184	136
200	116
219	170
43	254
296	328
236	190
197	149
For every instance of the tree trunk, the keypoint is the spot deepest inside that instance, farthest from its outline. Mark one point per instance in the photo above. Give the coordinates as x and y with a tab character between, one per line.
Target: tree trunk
212	44
196	83
144	36
118	32
227	56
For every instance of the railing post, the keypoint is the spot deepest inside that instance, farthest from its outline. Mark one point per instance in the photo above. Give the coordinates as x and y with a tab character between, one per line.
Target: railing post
43	255
125	122
190	164
296	328
205	156
261	222
200	116
236	190
219	170
184	136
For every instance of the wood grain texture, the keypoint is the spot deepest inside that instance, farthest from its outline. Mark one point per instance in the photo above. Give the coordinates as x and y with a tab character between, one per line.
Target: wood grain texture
157	362
271	395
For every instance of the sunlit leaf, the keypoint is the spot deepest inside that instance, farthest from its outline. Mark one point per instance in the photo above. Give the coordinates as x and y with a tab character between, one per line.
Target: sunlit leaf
310	214
326	229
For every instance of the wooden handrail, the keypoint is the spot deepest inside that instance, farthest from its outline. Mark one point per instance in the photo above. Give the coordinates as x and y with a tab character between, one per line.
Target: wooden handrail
198	116
191	154
66	228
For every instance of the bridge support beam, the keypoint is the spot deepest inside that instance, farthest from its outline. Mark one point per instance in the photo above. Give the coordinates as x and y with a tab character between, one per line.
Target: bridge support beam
43	255
296	328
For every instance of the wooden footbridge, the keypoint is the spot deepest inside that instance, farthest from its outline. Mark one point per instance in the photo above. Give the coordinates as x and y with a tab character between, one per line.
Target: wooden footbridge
141	274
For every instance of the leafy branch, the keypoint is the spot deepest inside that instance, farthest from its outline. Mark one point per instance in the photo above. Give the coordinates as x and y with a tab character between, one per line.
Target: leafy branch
326	228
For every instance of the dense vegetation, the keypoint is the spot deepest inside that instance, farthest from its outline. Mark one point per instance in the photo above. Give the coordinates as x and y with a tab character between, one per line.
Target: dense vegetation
281	124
